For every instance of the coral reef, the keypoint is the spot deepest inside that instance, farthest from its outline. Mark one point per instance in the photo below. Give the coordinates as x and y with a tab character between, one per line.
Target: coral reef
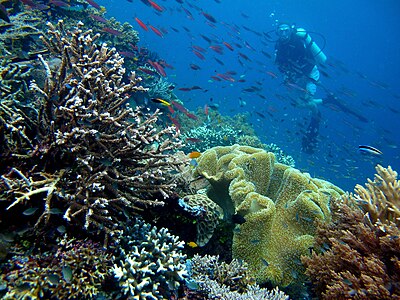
160	88
76	270
227	281
208	136
90	154
153	264
206	214
18	41
279	205
380	198
358	255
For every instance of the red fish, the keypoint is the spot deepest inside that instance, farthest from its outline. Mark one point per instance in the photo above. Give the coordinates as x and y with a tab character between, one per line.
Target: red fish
147	71
215	78
166	65
171	110
198	48
98	18
156	6
158	67
94	4
272	74
206	109
112	31
141	24
244	56
185	89
199	55
127	54
192	116
175	122
228	46
59	3
209	17
156	31
226	77
217	49
194	67
179	107
188	13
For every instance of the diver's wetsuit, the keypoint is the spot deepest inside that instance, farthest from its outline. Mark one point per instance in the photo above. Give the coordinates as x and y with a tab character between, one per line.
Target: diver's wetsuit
297	63
309	139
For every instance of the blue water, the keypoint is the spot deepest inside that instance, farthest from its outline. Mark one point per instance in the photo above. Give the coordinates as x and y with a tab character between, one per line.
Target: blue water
362	42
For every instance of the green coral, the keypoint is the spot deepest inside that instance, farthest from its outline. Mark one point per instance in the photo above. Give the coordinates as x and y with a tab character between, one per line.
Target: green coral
278	202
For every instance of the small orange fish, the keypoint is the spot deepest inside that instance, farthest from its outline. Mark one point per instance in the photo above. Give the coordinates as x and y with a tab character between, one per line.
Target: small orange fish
194	154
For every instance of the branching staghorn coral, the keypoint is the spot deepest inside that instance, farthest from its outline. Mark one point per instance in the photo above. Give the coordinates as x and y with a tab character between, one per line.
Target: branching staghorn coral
113	158
17	115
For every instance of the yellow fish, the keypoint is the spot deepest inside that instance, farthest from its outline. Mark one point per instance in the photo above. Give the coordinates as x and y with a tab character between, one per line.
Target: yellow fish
192	244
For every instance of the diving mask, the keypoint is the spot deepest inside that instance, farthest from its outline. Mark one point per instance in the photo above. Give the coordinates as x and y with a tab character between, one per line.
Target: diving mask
284	32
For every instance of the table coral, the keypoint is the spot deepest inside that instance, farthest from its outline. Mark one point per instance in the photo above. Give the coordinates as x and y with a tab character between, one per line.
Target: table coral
279	204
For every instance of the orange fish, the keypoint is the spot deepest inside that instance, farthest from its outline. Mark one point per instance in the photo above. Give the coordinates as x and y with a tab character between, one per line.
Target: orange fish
194	154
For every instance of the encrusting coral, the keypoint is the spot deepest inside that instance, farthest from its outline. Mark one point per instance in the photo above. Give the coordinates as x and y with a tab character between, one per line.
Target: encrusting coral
279	205
90	154
359	253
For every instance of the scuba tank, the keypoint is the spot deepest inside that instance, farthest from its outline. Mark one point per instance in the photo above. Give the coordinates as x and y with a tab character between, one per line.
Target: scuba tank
316	51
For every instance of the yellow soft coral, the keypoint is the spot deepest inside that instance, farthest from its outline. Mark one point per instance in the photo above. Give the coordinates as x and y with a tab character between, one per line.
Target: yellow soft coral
279	204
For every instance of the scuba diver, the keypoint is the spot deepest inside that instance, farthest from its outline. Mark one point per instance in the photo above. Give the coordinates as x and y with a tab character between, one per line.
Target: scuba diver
297	56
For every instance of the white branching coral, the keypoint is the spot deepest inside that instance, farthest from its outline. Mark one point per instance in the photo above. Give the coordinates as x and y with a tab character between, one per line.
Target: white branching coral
155	264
